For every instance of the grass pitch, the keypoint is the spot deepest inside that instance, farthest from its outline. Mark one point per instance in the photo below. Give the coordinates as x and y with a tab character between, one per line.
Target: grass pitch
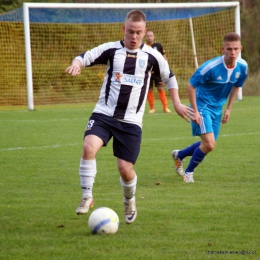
39	188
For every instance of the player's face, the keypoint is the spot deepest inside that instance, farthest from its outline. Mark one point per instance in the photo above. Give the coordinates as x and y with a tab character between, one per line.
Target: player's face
133	34
231	51
150	38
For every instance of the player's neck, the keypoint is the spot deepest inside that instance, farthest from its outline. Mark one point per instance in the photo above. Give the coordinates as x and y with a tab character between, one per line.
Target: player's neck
230	64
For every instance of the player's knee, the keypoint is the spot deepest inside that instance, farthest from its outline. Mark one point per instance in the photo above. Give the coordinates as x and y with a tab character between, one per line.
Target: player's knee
88	151
125	171
211	146
207	147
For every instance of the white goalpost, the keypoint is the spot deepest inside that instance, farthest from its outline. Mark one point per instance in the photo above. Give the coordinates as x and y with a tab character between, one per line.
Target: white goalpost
181	27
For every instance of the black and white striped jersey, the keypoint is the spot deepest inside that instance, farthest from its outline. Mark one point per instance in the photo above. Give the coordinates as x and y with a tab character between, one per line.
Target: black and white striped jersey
126	83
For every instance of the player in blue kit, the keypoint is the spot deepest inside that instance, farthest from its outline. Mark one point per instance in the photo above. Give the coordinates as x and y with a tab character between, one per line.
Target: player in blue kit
120	108
209	87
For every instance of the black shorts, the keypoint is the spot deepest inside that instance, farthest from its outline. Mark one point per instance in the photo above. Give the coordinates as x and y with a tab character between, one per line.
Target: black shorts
155	80
126	137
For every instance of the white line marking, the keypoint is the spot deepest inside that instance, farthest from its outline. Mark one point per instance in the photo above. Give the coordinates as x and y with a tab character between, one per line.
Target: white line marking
143	140
38	147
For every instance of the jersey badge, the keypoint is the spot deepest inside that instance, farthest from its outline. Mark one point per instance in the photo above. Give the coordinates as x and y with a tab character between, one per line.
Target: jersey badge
237	75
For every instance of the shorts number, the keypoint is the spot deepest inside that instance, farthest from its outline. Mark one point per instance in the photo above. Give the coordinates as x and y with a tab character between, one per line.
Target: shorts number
90	124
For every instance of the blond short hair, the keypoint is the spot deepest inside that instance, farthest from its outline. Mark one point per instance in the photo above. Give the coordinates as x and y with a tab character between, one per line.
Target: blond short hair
136	16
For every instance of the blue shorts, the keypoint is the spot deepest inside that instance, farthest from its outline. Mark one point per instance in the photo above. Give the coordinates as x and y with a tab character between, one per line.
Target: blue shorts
211	120
126	137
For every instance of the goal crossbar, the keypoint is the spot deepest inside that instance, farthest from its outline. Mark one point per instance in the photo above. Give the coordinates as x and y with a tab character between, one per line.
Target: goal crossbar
132	5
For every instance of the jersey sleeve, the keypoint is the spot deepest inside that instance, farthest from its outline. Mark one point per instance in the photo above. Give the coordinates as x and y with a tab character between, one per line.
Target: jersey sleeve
198	77
97	55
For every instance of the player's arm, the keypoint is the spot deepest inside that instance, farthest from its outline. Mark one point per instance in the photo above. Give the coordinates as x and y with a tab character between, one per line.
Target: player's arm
97	55
75	68
231	100
171	84
182	110
192	98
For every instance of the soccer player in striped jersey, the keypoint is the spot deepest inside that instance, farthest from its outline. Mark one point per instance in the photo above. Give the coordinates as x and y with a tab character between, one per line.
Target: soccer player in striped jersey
209	88
120	108
156	80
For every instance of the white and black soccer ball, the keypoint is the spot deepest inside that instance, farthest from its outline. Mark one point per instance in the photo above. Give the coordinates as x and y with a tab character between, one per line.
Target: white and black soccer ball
103	221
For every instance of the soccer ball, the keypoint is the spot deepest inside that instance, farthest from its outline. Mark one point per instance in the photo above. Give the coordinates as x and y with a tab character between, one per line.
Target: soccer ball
103	221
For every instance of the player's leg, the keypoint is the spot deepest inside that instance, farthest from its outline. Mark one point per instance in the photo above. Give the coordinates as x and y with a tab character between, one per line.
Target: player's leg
188	151
126	147
95	138
128	181
162	95
207	145
150	97
206	132
179	156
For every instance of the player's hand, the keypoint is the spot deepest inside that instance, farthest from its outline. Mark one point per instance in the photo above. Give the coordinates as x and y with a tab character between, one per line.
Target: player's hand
225	117
73	70
197	118
185	112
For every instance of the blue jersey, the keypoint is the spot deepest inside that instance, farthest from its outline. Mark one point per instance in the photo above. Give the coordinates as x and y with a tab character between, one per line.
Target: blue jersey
213	81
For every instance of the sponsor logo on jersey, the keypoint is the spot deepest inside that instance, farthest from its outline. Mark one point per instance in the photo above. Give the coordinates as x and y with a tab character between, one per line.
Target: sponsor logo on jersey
132	80
118	76
237	75
127	79
131	55
219	78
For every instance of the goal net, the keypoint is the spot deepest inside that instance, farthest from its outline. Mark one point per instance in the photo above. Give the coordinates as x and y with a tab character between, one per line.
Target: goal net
38	43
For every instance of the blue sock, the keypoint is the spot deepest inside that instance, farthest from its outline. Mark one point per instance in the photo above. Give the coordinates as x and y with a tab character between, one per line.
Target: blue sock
188	151
196	158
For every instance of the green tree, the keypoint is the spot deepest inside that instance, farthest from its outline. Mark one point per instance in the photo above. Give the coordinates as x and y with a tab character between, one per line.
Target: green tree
250	28
8	5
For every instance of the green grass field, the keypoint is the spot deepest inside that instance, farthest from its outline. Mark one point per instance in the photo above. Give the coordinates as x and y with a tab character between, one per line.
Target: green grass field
217	217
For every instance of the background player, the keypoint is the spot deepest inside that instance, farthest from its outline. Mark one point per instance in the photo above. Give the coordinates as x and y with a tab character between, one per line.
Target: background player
156	79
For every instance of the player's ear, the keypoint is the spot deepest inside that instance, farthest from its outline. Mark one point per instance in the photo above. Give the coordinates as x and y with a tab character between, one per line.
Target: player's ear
123	28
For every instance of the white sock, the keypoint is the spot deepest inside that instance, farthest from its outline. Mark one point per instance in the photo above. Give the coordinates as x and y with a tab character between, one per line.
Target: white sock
129	188
87	172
